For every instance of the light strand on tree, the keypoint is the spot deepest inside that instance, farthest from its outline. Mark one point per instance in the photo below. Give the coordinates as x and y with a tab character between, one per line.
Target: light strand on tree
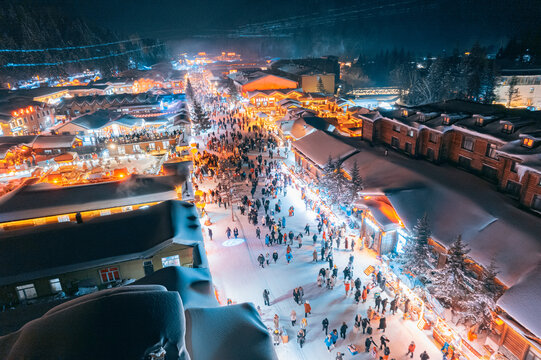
81	60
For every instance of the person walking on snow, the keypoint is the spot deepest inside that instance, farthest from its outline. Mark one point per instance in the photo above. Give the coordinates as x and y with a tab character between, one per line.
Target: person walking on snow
424	356
346	287
258	233
266	297
210	233
304	323
325	324
343	330
261	260
384	341
382	324
267	258
411	349
293	317
236	232
228	232
275	256
307	309
328	342
367	343
276	321
301	295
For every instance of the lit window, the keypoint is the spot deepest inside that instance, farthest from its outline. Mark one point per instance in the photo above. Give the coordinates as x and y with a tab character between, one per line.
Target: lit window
63	218
410	133
527	142
507	128
56	287
531	90
152	146
396	128
109	274
491	151
446	120
467	143
26	292
171	261
479	121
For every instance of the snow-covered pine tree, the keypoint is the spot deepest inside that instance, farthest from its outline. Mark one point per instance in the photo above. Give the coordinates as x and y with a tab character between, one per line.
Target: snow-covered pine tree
199	117
457	289
356	180
416	256
189	90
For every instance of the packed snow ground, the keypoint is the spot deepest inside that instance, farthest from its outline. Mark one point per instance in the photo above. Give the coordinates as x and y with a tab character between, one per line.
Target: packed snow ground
238	276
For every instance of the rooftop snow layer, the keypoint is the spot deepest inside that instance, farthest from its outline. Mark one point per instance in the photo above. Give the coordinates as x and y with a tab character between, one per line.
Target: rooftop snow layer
318	146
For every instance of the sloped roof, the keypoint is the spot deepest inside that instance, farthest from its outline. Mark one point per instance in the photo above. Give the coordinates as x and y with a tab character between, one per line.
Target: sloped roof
39	200
318	146
457	203
93	121
145	317
56	249
54	141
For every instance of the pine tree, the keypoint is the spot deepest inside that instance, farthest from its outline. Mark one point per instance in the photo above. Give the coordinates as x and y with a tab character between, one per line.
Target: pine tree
232	90
457	288
512	93
416	257
189	90
200	118
356	181
320	86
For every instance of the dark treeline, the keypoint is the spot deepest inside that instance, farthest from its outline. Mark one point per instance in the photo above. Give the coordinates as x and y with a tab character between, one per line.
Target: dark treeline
28	26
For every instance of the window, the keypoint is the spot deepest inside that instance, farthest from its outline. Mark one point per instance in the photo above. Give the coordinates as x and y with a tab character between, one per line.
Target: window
121	150
513	188
467	143
491	151
408	148
507	128
109	274
446	120
136	148
433	137
26	292
151	146
536	203
527	142
56	287
165	144
410	133
489	173
531	90
479	121
513	167
395	142
63	218
171	261
464	162
396	128
148	267
430	154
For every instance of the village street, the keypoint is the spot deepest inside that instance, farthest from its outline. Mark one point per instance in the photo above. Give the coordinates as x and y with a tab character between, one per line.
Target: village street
239	277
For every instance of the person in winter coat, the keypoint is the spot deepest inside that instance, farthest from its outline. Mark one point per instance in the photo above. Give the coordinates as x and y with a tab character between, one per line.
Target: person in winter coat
358	284
276	334
370	313
301	294
236	232
339	356
301	336
266	297
258	232
386	353
384	341
334	336
210	234
328	342
393	306
307	309
304	323
319	280
276	321
293	317
296	295
314	256
382	324
367	344
228	232
275	256
261	260
424	356
267	258
289	256
364	294
357	296
364	324
325	324
343	330
346	287
411	349
383	305
267	240
377	300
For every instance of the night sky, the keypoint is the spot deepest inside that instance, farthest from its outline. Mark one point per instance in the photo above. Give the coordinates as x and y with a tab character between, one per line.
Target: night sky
316	27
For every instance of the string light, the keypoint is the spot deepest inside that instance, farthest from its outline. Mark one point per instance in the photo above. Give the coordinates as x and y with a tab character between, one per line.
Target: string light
67	47
80	60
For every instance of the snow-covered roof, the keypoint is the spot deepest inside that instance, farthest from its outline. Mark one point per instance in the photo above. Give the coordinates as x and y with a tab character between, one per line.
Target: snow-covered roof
39	200
319	145
521	301
457	203
145	317
56	249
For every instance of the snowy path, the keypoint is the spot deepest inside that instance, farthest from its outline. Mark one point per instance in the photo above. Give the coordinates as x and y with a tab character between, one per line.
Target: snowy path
237	275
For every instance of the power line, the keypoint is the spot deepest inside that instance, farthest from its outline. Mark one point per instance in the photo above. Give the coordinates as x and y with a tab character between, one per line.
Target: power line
80	60
67	47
